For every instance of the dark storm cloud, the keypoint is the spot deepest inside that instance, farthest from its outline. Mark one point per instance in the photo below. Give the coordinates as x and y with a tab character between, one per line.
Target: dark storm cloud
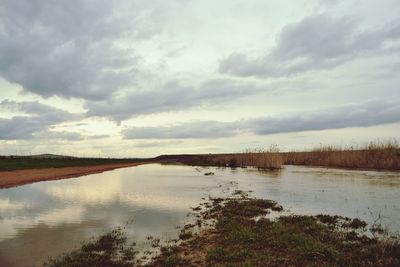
315	43
354	115
172	97
201	129
67	48
39	118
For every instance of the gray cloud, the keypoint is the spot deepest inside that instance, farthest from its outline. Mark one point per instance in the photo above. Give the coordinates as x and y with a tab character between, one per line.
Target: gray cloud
64	135
18	128
172	97
329	3
315	43
34	107
201	129
69	48
150	144
352	115
39	118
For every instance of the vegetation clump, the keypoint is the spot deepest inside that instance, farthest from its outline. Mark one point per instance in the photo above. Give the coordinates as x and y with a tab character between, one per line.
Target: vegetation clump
109	249
240	233
243	235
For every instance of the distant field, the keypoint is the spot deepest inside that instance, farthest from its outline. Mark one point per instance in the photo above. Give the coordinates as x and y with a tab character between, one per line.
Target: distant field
37	162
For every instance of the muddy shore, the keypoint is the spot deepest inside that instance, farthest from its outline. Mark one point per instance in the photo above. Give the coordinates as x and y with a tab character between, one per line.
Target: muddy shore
21	177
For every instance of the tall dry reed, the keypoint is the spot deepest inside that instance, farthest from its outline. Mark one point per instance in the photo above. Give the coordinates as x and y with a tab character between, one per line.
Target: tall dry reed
375	155
269	158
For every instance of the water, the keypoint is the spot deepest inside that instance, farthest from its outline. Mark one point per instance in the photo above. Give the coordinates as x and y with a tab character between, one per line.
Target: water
47	218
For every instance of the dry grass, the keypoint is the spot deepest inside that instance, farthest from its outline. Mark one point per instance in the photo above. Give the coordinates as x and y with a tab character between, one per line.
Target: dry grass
261	158
375	155
269	158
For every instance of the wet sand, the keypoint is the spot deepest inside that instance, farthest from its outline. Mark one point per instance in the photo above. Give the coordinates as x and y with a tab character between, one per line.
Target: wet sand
21	177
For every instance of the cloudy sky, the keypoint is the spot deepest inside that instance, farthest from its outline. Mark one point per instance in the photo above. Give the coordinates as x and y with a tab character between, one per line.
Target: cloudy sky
141	78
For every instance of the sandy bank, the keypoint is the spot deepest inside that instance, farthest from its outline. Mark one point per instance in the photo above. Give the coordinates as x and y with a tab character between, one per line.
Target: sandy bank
20	177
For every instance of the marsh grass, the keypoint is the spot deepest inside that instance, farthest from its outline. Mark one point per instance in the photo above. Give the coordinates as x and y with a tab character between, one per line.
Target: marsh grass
376	155
260	158
267	159
237	238
109	249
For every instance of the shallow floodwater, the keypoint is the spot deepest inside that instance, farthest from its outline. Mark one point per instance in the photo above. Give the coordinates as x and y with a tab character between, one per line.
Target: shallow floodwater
47	218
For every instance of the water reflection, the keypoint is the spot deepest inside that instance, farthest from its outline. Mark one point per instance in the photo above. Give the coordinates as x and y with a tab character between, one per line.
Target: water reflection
47	218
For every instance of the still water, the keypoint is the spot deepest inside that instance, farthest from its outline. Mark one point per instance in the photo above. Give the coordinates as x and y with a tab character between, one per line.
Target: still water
47	218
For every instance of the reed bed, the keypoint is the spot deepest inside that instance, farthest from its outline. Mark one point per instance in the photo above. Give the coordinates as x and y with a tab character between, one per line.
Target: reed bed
375	155
269	158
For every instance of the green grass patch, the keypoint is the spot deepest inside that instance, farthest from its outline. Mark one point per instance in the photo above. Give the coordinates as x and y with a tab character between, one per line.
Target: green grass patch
108	250
21	163
243	236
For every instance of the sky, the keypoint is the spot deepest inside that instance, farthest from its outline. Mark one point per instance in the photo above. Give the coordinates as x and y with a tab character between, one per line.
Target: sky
129	78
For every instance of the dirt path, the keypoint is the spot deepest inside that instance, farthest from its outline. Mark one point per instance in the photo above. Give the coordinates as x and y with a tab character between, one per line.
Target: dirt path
20	177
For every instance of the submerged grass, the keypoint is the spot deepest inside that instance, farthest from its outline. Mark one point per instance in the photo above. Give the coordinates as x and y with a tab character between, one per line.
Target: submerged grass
240	234
108	250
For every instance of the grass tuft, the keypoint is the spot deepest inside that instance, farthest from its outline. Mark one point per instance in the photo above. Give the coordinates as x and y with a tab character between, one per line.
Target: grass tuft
243	236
